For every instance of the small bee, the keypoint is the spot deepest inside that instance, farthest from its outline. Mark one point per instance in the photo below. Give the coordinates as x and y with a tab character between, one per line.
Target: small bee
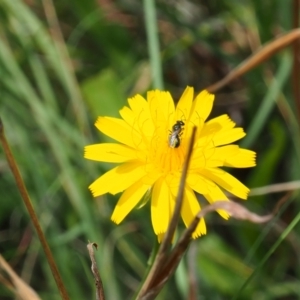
174	137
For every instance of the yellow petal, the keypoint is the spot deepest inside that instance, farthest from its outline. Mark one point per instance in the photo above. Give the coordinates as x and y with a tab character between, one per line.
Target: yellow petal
201	108
118	179
226	181
229	136
160	206
242	159
183	108
138	104
216	124
127	115
203	157
103	184
109	152
215	194
142	115
160	237
230	156
129	199
220	130
190	208
216	156
162	108
119	130
197	183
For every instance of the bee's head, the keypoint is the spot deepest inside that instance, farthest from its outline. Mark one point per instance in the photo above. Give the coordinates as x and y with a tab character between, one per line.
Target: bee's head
178	125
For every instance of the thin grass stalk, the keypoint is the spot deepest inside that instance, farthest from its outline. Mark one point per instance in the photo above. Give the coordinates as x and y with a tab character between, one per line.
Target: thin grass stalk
296	54
281	238
55	55
153	43
266	230
44	119
269	101
26	199
62	51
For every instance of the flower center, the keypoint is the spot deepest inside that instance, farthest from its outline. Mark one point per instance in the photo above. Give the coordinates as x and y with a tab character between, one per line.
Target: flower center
165	157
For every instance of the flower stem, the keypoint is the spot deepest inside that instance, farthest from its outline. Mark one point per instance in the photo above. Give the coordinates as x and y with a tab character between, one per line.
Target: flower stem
24	194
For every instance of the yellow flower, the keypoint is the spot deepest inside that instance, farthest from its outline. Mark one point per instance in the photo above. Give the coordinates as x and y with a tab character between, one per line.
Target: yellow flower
152	153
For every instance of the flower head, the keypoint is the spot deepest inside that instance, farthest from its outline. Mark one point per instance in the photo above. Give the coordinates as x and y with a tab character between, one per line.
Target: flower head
153	139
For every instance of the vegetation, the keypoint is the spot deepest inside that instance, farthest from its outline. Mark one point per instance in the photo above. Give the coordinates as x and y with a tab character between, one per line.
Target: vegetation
63	64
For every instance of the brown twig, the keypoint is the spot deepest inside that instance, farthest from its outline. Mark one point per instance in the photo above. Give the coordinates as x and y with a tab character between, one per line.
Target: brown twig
234	209
179	199
258	57
94	268
276	188
26	199
162	252
21	289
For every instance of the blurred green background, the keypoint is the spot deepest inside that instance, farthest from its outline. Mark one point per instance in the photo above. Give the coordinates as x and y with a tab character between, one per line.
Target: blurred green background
62	64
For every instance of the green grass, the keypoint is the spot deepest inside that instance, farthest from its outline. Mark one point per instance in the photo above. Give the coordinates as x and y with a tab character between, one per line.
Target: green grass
50	99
